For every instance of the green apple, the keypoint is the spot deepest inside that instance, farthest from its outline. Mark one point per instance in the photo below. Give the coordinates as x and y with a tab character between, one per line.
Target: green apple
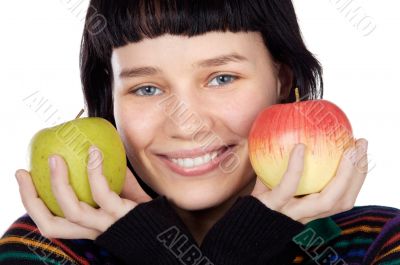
72	140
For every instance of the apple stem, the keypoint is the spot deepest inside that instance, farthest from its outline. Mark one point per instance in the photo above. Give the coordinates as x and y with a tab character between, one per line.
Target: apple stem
80	114
297	93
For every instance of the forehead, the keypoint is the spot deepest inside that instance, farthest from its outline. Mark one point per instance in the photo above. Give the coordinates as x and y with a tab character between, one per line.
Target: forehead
171	48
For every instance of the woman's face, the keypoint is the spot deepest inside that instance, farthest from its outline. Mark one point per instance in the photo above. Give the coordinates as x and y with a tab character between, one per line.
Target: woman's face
178	98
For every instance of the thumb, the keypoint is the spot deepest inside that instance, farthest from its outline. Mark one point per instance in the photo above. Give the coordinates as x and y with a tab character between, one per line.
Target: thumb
132	189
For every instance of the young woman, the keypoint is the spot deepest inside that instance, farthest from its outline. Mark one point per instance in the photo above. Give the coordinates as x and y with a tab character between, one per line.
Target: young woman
170	75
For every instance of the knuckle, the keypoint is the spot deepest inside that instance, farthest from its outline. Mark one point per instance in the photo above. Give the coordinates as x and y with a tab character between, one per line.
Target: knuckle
282	199
347	206
114	214
288	213
97	197
92	235
297	172
46	231
327	204
285	198
73	215
112	211
295	168
55	188
100	194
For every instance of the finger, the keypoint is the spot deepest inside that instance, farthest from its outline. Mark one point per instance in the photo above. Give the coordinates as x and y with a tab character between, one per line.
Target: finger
360	173
330	198
333	193
74	211
132	189
106	198
60	227
49	225
287	188
30	199
260	187
362	159
300	208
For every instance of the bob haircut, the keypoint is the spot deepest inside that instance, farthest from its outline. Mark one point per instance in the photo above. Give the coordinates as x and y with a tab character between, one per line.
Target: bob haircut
113	24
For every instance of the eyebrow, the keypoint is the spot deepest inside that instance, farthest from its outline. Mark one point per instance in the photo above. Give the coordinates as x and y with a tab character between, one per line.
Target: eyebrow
222	60
212	62
138	72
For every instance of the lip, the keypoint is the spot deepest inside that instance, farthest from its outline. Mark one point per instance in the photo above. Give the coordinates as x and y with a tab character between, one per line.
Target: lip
200	170
192	153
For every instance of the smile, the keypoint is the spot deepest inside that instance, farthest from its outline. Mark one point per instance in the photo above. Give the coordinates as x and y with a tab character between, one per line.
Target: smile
195	166
197	161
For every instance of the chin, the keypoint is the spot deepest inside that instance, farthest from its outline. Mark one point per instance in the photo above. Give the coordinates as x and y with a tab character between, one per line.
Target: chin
194	201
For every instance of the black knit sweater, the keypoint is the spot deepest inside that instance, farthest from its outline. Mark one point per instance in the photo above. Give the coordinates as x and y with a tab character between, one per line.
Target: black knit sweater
152	233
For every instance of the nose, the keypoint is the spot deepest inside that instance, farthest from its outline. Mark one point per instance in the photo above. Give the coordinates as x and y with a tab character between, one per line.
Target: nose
187	118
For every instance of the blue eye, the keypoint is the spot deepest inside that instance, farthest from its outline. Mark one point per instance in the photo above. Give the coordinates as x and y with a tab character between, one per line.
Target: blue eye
145	91
222	80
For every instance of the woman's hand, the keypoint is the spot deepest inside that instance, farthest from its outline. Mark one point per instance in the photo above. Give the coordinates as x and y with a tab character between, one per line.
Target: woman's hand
81	220
339	195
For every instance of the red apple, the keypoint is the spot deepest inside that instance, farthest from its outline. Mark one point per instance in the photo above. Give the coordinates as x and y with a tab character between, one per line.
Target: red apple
319	124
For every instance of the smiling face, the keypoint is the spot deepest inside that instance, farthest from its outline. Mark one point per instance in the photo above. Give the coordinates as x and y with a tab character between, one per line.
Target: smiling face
178	98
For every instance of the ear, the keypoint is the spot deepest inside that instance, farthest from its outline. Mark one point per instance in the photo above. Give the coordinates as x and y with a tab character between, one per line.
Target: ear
284	81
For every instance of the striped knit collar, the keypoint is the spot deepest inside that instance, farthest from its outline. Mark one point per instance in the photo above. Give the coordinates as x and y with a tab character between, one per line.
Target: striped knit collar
318	231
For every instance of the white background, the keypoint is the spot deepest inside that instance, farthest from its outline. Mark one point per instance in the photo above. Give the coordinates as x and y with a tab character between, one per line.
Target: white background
39	54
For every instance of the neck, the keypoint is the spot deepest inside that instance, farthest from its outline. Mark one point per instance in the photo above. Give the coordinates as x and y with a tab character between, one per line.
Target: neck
199	222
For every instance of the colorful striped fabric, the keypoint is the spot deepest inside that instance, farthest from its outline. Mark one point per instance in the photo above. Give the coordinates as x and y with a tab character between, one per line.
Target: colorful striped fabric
23	244
367	235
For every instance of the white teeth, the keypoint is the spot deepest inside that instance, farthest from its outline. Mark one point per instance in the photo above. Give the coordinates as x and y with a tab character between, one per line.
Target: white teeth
187	162
196	161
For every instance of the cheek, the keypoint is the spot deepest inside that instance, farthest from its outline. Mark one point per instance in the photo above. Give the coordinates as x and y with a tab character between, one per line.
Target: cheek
133	124
241	110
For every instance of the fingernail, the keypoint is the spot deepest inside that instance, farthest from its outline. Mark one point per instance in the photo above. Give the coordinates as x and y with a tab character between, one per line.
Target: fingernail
52	162
93	153
17	176
362	145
